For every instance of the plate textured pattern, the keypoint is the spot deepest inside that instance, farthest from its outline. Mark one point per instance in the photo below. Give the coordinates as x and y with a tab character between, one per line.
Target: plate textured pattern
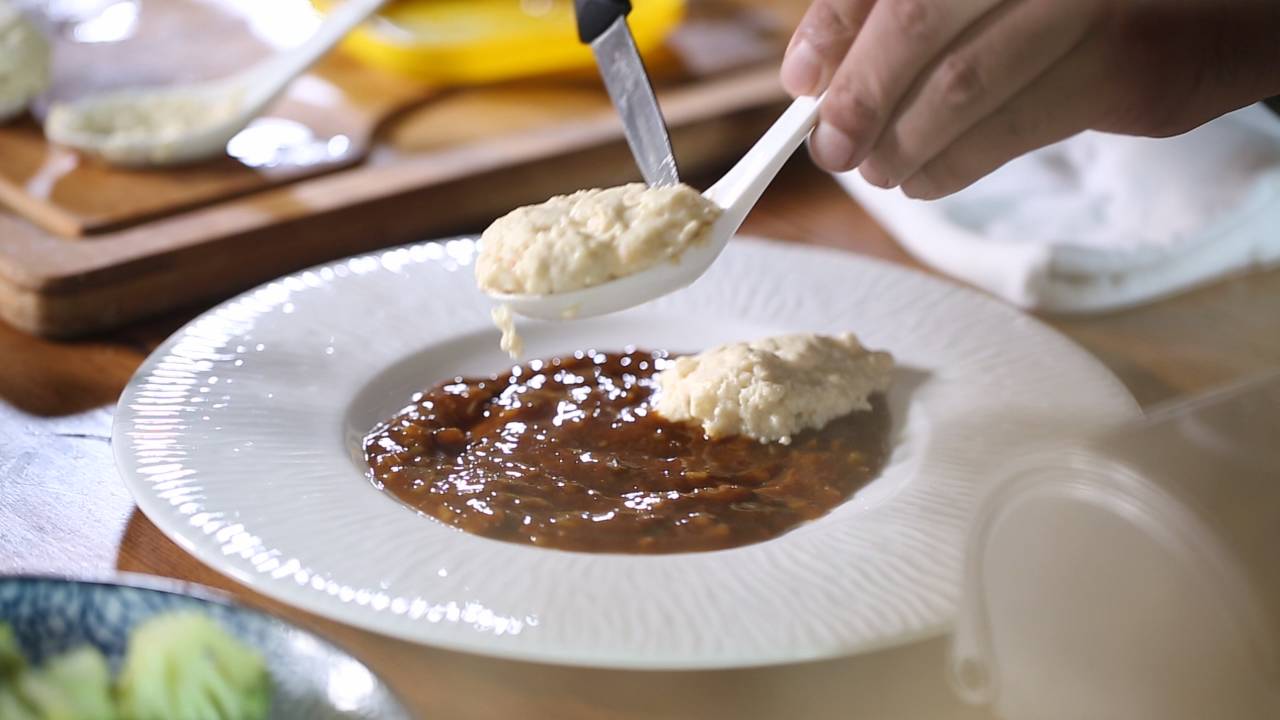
312	679
239	439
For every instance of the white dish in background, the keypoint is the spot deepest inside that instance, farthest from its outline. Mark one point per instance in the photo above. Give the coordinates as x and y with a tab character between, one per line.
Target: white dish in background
239	438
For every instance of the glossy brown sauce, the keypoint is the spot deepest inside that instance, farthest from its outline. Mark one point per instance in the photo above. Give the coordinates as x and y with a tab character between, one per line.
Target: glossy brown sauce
567	453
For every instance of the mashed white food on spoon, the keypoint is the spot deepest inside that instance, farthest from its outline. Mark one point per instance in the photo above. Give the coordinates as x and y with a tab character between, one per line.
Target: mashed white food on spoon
593	236
160	119
511	343
587	238
773	388
24	61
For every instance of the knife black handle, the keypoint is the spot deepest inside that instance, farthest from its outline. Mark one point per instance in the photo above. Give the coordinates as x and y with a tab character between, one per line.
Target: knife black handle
595	16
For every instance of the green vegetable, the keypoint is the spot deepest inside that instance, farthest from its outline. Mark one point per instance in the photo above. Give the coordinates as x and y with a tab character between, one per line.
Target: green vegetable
179	665
11	660
11	664
83	679
72	686
47	700
183	665
11	707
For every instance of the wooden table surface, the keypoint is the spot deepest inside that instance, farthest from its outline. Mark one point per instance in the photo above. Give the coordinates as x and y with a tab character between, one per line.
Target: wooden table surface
63	510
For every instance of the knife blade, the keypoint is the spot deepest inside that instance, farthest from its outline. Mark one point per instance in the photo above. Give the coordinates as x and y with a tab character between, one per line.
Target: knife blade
633	97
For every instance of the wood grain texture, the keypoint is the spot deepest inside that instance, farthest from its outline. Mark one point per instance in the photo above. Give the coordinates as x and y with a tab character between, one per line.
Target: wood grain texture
53	286
50	286
87	248
62	509
73	196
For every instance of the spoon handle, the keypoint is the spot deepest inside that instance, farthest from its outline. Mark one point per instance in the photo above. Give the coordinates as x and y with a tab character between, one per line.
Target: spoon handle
742	186
341	20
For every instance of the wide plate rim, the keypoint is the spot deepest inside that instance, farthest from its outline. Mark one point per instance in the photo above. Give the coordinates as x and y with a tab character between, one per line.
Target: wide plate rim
159	511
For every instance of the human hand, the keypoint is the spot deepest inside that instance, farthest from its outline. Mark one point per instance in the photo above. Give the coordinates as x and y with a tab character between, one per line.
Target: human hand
931	95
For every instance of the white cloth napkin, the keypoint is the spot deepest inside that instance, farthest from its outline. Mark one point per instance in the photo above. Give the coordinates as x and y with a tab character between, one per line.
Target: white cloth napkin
1100	222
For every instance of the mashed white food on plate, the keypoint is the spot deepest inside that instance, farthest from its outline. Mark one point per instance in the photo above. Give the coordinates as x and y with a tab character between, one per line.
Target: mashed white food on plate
773	388
24	61
577	241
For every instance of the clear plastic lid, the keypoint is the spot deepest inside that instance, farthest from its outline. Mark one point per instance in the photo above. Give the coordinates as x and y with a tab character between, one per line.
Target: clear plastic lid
1135	574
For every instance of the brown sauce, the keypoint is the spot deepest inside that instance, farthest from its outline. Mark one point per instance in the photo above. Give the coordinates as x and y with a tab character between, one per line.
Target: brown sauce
567	453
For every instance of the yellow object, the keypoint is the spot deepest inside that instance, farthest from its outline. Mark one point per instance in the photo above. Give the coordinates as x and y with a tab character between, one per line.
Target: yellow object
456	42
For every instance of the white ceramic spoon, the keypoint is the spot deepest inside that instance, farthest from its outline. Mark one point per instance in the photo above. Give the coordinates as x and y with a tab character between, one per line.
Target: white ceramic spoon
736	193
186	123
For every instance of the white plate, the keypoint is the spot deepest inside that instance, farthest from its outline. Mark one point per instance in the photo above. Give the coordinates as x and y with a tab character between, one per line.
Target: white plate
239	438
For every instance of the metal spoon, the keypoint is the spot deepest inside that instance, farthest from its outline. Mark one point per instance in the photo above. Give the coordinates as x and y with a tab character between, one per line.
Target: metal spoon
736	193
182	124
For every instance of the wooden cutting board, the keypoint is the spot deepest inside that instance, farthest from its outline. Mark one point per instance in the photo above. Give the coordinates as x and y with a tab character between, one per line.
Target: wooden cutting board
324	122
85	247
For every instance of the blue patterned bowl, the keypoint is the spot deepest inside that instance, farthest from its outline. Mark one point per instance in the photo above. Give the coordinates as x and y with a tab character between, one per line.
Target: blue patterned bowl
313	679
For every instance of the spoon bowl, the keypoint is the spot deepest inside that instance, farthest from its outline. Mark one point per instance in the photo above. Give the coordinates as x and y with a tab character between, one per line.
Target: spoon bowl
735	193
629	290
137	127
188	123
